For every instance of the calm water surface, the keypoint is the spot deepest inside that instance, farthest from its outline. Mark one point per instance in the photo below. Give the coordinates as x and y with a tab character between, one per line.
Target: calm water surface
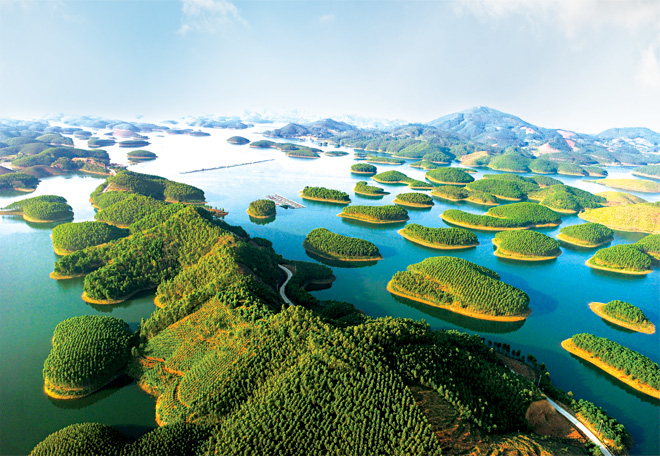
560	290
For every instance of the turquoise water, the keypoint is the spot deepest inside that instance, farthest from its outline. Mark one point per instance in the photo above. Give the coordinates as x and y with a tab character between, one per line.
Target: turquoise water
560	290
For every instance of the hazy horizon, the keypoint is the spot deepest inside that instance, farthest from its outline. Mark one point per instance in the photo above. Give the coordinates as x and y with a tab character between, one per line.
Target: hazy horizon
581	65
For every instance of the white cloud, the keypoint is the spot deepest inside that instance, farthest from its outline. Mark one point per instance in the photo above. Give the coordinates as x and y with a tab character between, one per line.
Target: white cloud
208	16
327	18
648	71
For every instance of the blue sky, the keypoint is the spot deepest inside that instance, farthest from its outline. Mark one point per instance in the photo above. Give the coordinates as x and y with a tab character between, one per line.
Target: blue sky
584	65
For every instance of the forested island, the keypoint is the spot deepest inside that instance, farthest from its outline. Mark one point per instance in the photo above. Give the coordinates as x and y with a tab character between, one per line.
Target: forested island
622	258
413	199
588	235
40	209
453	193
440	238
327	195
376	214
238	140
515	216
262	208
363	188
70	237
628	366
623	314
141	155
384	160
397	177
449	176
526	245
333	246
650	245
566	199
363	168
20	182
463	287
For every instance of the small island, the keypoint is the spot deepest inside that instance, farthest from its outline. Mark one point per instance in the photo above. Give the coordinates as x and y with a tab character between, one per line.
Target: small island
412	199
376	214
525	245
363	188
425	165
626	365
642	217
506	190
70	237
262	208
440	238
20	182
462	287
453	193
141	155
623	314
397	177
238	140
384	160
566	199
622	258
650	245
40	209
449	176
635	185
133	143
326	195
516	216
588	235
88	353
333	246
363	168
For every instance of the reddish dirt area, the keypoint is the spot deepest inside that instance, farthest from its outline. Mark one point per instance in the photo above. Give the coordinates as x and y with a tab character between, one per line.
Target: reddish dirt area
518	367
545	420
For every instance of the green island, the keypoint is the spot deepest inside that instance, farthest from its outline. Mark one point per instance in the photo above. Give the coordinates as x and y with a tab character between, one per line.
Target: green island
363	168
440	238
595	171
20	182
302	152
438	158
453	193
513	163
622	258
384	160
542	166
141	155
327	195
59	160
155	187
449	176
335	153
88	353
652	171
613	198
376	214
94	143
128	209
40	209
500	188
642	217
623	314
397	177
262	208
650	245
333	246
635	185
516	216
626	365
133	143
363	188
463	287
526	245
571	169
414	199
70	237
262	144
238	140
566	199
424	164
589	235
221	348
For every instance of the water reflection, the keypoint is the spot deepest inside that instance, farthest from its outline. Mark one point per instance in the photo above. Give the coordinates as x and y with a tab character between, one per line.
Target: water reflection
262	221
339	263
107	391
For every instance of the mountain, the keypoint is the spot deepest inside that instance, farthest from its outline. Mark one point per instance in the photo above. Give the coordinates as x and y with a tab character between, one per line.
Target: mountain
320	129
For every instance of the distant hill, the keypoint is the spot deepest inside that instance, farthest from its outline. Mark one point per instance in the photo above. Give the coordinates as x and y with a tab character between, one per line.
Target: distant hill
320	129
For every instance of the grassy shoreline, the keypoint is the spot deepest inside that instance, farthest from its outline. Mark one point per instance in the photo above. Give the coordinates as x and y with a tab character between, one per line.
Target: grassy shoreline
620	271
260	216
516	256
405	203
324	200
597	308
467	313
119	300
570	347
578	243
329	256
488	228
371	220
435	246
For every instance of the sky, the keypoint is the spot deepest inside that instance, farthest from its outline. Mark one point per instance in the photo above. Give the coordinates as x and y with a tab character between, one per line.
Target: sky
581	65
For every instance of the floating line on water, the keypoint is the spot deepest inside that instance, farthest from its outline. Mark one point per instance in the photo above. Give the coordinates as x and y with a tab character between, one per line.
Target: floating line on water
225	166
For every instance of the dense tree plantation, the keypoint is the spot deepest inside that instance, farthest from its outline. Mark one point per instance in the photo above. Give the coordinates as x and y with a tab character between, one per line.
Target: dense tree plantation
396	177
570	169
384	160
376	214
616	355
587	233
438	158
18	181
500	188
70	237
510	162
323	193
626	312
424	164
542	166
363	168
449	176
364	188
325	242
565	197
526	243
88	352
128	210
303	152
155	187
650	245
441	237
455	282
413	199
262	208
517	215
450	192
624	257
45	208
648	171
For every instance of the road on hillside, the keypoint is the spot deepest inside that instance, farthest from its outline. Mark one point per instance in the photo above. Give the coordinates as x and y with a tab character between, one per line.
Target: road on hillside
283	287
